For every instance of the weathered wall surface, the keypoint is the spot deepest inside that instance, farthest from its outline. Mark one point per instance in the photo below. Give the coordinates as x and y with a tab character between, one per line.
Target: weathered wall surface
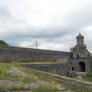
19	54
51	68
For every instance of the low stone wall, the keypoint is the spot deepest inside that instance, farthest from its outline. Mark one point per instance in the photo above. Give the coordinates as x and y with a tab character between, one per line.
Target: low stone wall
59	68
70	81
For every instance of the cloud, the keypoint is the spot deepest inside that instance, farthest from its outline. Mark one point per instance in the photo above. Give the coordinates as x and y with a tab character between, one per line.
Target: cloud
45	45
54	23
87	32
58	43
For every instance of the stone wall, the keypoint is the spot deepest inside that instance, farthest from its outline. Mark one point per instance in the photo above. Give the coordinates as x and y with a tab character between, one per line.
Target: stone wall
8	54
18	54
59	69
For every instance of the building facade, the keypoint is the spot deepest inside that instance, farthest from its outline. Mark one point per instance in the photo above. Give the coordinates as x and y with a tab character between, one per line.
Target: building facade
80	57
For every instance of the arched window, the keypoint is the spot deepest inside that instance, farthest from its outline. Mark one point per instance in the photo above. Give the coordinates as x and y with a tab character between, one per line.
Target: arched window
73	69
78	56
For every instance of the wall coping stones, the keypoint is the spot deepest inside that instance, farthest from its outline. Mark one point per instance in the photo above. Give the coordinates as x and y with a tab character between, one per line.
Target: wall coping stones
33	50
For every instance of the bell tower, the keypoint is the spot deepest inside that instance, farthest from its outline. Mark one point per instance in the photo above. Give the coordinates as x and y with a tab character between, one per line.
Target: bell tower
80	39
80	49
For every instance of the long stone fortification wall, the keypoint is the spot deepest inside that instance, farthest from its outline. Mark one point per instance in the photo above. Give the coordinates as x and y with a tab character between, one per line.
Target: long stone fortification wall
20	54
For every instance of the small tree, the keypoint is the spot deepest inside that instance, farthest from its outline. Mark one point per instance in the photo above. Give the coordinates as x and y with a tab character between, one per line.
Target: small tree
2	42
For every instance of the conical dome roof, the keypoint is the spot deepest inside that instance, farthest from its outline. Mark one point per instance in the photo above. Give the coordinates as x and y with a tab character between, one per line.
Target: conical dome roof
80	36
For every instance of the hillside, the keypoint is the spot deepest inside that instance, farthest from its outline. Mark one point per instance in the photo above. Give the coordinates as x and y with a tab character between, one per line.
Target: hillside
14	78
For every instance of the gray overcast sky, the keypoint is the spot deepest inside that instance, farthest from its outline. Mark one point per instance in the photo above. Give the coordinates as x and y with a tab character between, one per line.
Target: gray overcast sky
53	23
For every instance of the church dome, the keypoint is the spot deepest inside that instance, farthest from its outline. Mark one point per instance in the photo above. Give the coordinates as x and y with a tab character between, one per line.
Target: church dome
80	36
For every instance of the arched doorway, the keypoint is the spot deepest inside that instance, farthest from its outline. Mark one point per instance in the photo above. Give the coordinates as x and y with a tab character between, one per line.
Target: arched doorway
82	67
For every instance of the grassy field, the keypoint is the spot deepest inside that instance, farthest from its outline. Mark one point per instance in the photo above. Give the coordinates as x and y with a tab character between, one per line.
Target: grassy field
45	89
4	75
8	74
38	89
4	67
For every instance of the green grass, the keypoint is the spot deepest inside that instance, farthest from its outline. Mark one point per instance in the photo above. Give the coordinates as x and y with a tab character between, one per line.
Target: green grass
4	67
27	79
88	77
45	89
38	89
14	87
41	77
4	75
5	88
31	78
76	88
3	70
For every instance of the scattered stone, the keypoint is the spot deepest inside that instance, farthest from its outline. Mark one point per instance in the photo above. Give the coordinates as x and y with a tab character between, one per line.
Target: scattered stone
79	77
11	82
36	77
16	71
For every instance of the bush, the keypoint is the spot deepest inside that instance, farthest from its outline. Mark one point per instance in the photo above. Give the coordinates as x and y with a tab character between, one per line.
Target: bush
2	42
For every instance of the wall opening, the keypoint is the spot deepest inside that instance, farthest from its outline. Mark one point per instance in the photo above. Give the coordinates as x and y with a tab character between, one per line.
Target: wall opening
73	69
78	56
82	67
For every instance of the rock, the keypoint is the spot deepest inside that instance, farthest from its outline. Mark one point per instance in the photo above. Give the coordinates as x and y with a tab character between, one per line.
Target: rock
16	71
79	77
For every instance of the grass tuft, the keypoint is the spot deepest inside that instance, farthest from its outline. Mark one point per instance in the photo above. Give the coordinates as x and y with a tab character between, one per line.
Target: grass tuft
45	89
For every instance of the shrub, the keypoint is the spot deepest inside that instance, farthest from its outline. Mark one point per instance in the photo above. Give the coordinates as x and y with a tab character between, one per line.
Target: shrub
2	42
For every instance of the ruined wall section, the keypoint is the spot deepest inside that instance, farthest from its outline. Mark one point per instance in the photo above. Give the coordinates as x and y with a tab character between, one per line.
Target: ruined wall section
60	69
19	54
